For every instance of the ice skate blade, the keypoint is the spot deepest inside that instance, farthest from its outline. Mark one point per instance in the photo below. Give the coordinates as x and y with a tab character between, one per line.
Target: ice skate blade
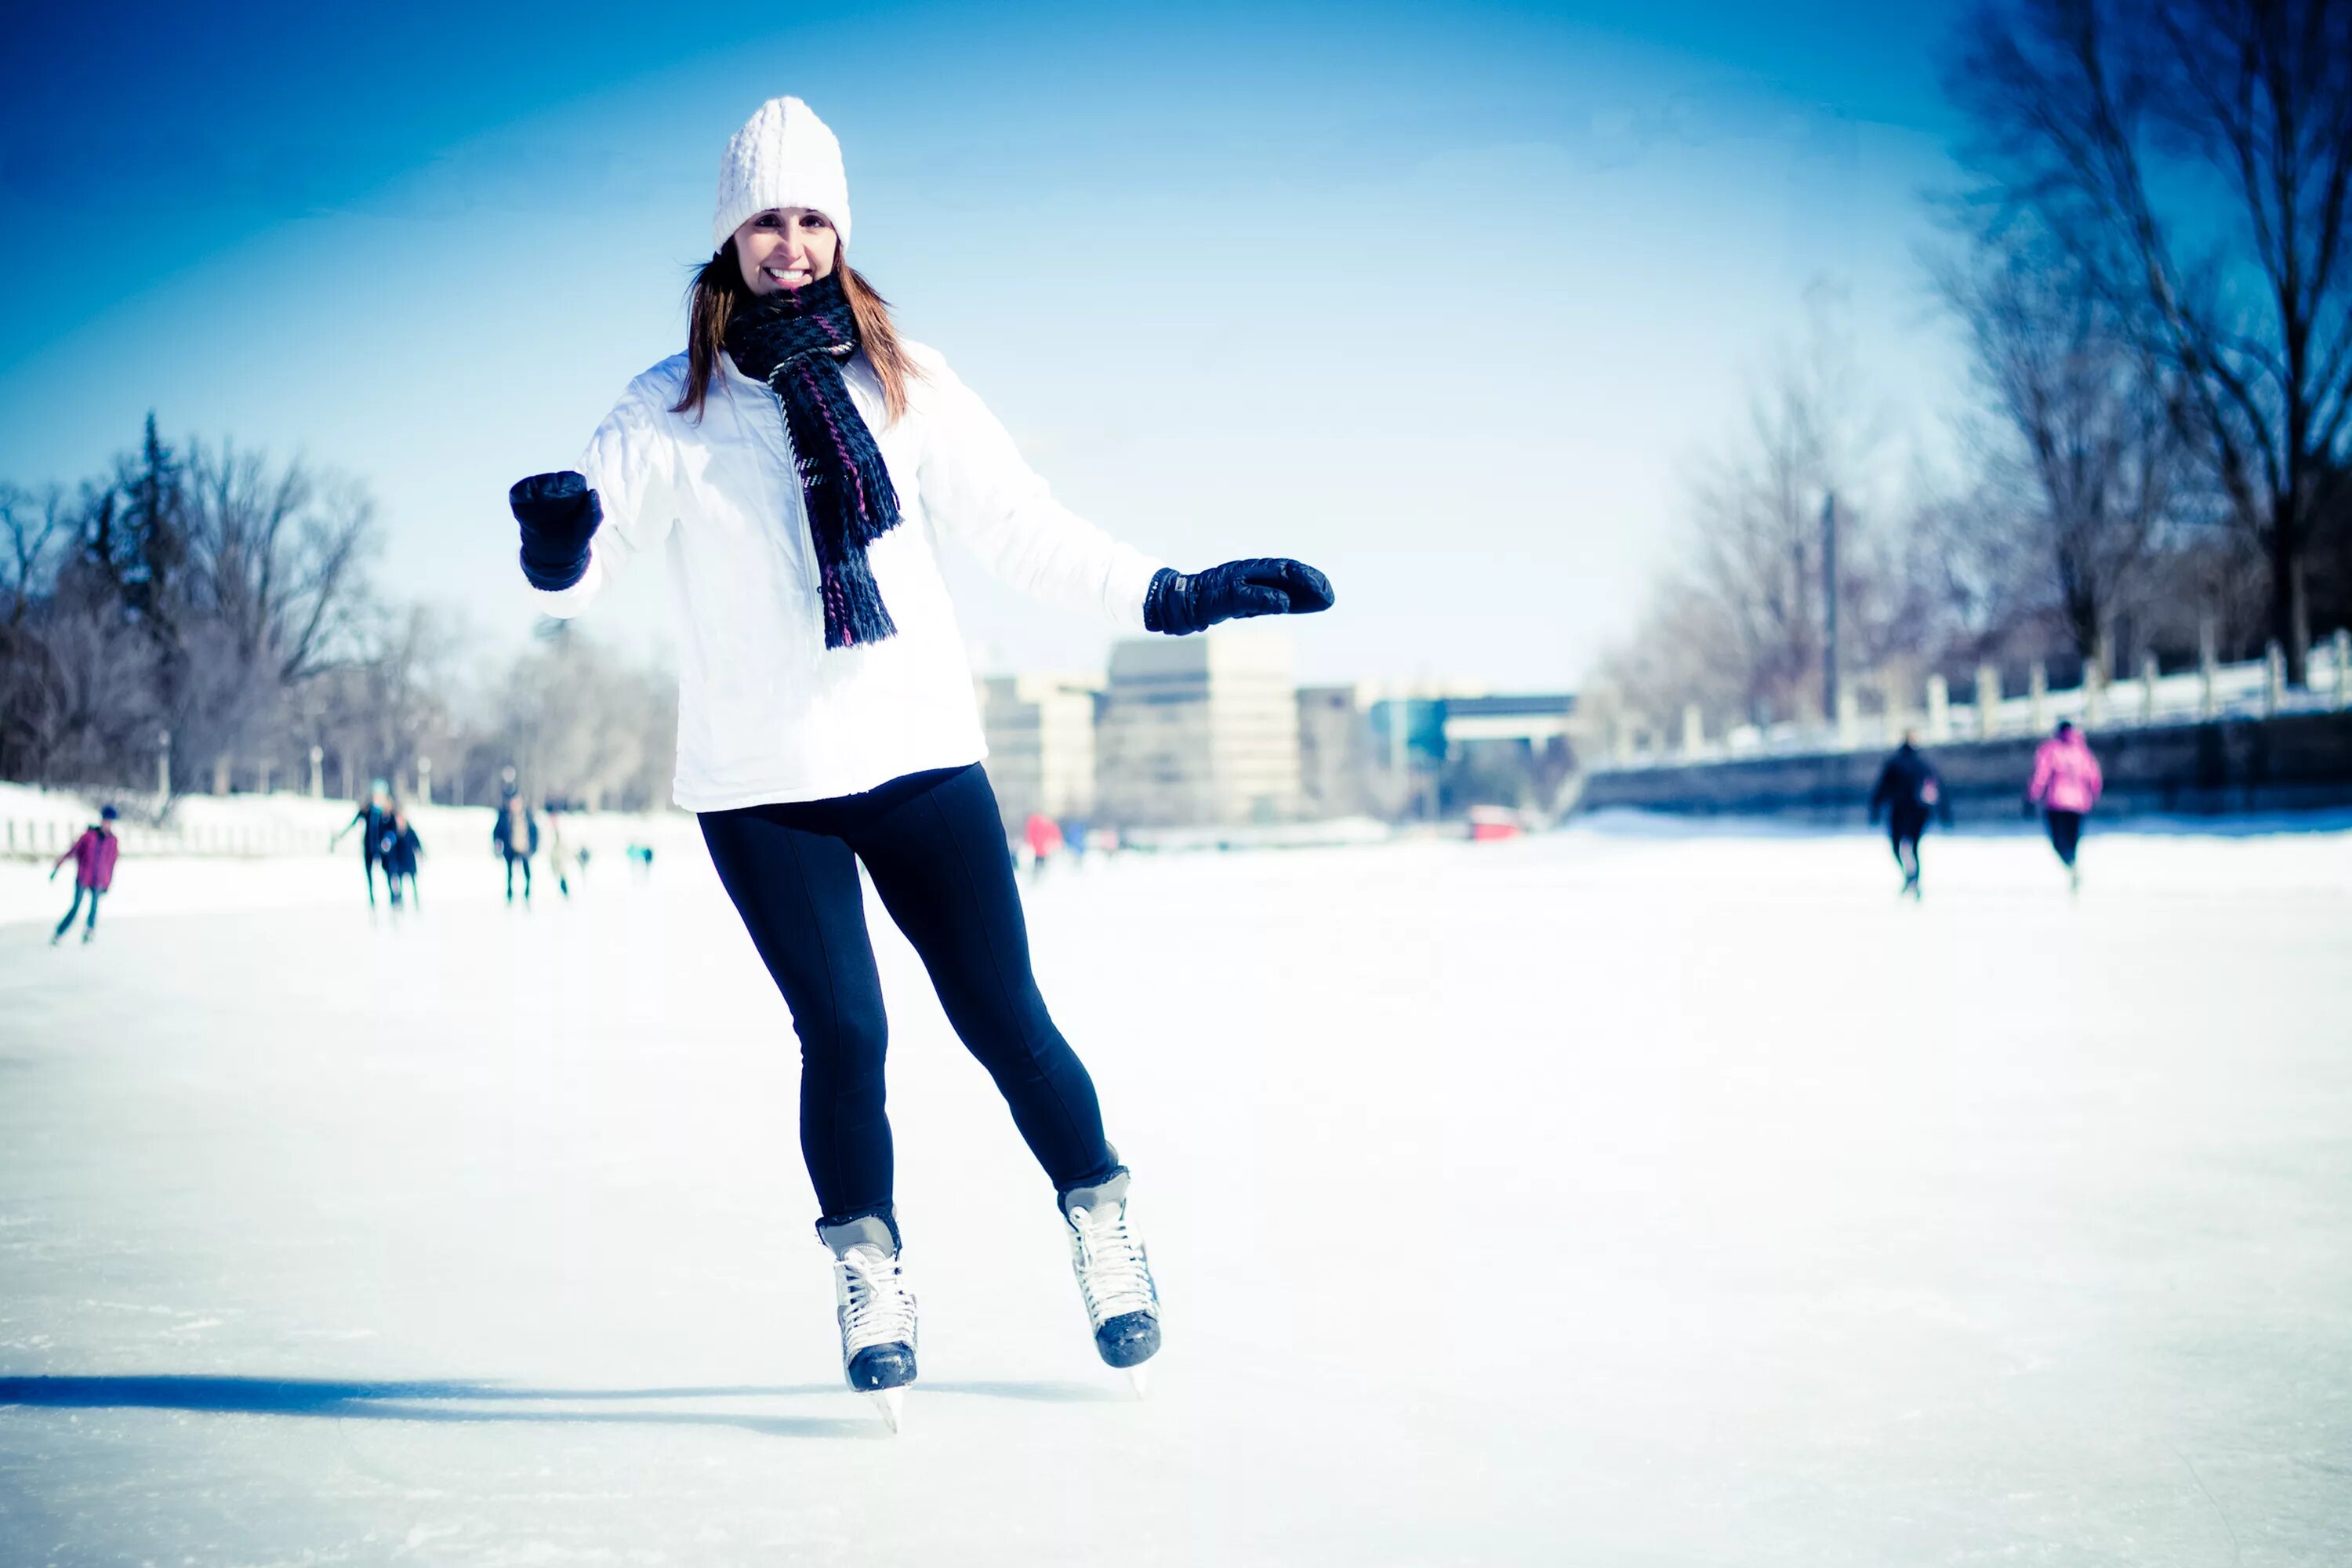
1138	1378
890	1402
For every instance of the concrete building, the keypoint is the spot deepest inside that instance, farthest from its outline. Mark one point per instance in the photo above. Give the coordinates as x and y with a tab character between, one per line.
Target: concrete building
1041	743
1334	752
1516	750
1435	750
1198	731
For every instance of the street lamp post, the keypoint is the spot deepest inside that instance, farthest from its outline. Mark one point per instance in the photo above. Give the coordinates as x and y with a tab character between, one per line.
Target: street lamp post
1828	607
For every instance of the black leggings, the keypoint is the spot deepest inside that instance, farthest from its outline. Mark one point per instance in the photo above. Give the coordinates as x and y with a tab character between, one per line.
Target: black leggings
2065	833
65	925
934	844
1903	831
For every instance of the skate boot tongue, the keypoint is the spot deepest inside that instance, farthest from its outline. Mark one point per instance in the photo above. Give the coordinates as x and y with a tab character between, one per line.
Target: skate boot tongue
866	1230
1109	1192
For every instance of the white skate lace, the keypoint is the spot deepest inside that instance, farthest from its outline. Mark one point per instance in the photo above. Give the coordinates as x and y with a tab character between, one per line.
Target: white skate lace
878	1309
1113	1274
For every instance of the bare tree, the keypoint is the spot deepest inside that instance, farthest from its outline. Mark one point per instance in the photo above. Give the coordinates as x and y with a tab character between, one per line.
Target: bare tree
2084	110
1757	562
274	557
244	574
2085	465
585	726
389	702
225	598
1753	593
33	531
76	679
1684	649
1738	625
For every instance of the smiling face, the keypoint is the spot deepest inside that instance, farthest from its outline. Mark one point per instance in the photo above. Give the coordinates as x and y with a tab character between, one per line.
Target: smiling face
785	248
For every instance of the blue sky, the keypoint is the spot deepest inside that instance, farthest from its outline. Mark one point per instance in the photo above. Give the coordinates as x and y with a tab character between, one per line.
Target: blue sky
1442	299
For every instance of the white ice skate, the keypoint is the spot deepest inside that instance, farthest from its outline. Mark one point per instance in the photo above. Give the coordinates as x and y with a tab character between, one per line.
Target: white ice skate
1114	1277
876	1309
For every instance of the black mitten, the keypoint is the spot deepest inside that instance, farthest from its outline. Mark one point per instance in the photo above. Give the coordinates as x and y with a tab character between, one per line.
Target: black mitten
1180	605
559	514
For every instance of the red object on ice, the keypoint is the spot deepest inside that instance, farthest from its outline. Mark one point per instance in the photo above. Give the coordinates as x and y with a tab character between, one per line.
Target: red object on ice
1044	835
1489	823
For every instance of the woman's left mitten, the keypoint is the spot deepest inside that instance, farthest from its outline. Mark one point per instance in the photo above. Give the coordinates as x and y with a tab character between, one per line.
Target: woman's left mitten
1182	603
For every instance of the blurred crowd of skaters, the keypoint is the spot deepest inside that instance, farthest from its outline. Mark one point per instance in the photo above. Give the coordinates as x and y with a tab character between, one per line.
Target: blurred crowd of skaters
2063	789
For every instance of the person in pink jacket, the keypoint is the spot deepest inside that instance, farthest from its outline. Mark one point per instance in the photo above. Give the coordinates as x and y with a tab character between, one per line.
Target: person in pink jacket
93	856
2066	783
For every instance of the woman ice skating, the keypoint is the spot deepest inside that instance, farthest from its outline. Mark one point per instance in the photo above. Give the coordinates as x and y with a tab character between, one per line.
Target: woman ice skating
93	855
2065	786
371	818
1908	790
799	463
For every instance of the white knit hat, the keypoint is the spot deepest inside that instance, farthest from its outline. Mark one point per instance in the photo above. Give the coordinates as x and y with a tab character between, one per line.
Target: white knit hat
783	157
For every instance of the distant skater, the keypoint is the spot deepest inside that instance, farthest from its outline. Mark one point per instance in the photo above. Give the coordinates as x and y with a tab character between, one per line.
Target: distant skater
1909	790
556	857
516	836
93	855
372	818
401	847
2067	784
1043	837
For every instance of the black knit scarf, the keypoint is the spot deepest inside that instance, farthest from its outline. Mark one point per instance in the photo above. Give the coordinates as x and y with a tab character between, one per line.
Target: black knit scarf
796	341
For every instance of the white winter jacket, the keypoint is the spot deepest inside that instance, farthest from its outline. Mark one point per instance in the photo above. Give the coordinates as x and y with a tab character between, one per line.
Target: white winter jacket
766	712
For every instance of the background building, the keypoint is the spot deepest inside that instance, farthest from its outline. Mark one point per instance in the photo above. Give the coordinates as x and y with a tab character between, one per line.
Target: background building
1517	750
1198	731
1437	751
1335	752
1041	743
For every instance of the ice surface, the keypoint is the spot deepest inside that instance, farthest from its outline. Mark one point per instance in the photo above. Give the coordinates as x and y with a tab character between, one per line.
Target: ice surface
1601	1198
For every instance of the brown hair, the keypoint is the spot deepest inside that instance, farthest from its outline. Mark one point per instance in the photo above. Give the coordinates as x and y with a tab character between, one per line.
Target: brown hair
719	287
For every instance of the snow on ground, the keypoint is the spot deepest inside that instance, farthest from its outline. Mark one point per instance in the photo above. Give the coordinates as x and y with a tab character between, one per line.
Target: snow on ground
1599	1198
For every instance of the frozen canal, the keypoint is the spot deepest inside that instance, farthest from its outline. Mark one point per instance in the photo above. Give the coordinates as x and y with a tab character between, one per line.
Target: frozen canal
1600	1199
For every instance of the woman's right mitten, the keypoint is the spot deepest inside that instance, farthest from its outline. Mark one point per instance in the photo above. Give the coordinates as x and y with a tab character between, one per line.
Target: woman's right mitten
559	514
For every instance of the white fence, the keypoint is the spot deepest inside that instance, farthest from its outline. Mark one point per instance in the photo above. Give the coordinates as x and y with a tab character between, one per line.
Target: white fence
53	835
40	824
37	822
2256	688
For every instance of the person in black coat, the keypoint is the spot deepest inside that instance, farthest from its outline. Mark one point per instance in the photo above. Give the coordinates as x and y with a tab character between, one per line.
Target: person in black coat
400	850
515	835
373	818
1909	790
